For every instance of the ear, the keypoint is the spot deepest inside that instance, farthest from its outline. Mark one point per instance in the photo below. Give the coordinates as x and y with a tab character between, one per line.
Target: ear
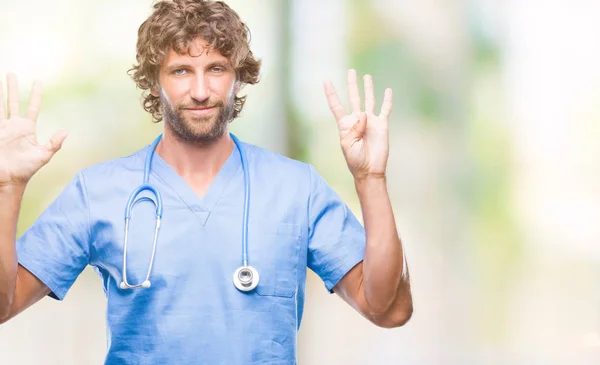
154	92
237	87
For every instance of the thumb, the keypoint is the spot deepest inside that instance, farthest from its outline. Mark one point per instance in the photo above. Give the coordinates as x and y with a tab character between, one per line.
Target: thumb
358	129
56	141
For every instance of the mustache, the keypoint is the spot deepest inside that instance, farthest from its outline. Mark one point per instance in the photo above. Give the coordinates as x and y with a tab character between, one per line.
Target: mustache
204	104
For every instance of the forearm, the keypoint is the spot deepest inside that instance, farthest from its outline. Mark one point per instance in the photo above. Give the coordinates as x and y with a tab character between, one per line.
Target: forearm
10	204
384	284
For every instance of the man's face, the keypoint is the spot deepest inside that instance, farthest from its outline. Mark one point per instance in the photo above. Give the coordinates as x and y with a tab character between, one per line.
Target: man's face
197	93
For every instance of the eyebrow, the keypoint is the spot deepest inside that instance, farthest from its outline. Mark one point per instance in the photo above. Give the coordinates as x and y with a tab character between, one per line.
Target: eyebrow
224	64
177	66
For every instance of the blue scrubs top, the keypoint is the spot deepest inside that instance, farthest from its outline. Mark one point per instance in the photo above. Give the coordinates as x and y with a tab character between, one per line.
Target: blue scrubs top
193	313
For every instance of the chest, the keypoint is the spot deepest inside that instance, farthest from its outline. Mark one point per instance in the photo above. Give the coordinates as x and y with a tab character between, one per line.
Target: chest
195	246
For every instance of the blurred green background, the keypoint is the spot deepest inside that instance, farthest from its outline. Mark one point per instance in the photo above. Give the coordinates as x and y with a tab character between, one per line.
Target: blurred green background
494	168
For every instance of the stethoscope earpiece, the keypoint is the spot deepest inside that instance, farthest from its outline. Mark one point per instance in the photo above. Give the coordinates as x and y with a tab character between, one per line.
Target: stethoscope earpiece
145	284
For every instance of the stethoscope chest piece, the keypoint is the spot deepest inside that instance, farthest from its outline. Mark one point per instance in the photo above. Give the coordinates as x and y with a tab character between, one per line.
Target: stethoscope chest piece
245	278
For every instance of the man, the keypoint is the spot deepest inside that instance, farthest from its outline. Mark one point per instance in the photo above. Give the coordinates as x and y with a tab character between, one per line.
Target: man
221	203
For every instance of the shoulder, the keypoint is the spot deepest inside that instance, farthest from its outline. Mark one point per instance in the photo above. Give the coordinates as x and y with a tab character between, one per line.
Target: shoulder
279	174
265	161
114	170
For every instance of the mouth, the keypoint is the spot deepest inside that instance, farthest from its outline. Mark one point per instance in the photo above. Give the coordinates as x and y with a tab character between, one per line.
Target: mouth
200	110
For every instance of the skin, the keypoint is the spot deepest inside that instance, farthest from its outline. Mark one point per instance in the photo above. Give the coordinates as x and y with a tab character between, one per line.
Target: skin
196	90
22	156
379	286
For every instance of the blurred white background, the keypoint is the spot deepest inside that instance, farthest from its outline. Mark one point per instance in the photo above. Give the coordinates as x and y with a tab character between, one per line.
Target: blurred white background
494	169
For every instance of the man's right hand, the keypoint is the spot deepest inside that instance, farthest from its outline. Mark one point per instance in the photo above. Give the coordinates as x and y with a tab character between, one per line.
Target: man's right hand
20	154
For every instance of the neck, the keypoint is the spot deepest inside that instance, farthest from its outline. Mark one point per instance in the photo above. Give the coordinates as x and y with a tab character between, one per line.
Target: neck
196	163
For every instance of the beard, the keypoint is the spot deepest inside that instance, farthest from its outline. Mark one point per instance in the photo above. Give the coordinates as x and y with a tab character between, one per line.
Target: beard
194	129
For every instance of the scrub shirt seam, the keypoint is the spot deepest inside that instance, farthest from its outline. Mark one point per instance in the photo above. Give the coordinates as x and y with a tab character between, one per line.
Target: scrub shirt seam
308	224
42	274
157	176
344	268
226	185
170	187
230	180
349	261
89	225
310	194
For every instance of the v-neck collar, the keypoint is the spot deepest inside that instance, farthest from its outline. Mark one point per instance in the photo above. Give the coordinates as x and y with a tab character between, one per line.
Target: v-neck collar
201	207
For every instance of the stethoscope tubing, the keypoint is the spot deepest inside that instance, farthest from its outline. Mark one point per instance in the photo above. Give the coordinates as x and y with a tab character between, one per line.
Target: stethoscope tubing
146	186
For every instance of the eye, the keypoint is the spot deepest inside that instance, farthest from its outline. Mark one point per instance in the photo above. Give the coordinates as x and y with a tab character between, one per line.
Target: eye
217	69
179	72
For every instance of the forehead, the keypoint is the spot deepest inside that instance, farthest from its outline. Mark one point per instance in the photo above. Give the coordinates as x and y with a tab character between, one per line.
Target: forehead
198	51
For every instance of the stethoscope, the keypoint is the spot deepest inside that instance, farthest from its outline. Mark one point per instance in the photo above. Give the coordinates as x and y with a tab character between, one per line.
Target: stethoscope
245	278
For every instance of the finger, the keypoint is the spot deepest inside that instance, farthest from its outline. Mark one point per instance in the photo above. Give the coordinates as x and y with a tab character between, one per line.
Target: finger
13	95
386	107
35	101
2	112
369	94
353	91
56	141
334	102
361	125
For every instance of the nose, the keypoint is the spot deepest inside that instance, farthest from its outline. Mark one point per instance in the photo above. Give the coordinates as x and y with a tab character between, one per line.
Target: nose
199	89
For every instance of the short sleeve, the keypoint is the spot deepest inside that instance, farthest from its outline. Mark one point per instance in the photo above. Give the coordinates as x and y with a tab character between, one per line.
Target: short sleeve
56	247
336	239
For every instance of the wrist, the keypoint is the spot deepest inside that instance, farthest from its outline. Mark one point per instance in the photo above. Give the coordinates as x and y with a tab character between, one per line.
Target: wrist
11	189
369	184
369	177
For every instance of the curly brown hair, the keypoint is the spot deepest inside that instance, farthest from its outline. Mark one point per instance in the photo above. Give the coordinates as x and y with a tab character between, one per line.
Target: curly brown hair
174	25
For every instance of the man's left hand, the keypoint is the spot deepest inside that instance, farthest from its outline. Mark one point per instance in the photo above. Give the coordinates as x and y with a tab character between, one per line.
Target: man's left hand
364	135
